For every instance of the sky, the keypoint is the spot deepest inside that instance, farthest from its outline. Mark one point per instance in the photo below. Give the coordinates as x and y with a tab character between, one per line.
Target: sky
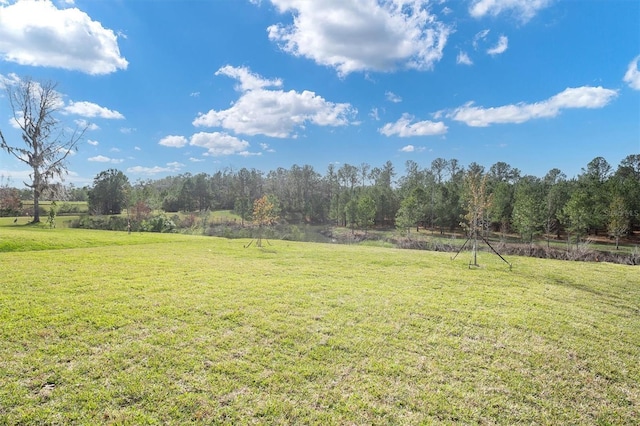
169	87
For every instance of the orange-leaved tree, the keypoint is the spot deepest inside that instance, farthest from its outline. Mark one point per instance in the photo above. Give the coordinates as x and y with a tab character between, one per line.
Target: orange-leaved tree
265	214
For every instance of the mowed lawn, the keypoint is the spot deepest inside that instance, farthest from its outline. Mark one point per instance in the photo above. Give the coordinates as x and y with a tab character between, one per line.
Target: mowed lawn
110	328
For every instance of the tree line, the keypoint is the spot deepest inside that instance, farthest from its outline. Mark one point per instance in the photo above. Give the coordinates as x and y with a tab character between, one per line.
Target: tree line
600	199
443	195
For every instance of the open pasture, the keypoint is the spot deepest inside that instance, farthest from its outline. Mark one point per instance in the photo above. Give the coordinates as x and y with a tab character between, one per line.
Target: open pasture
110	328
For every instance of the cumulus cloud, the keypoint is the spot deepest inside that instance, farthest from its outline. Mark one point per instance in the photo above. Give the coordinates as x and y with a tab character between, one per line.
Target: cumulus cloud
576	97
481	40
9	80
14	123
405	128
247	79
266	147
92	142
521	9
464	59
83	108
501	47
392	97
218	144
103	159
411	148
170	168
37	33
362	35
274	113
173	141
90	110
85	124
249	154
632	76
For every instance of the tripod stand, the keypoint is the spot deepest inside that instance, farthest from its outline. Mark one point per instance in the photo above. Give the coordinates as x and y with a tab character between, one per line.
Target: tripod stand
475	236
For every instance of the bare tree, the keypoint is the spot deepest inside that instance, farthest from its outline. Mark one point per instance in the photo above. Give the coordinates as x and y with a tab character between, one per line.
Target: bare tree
619	218
45	145
478	202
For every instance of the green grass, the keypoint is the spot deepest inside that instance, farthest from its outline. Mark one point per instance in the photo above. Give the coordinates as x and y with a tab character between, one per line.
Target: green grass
224	216
110	328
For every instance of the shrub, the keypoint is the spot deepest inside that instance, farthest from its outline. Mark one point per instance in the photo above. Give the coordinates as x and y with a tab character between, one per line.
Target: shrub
159	223
105	223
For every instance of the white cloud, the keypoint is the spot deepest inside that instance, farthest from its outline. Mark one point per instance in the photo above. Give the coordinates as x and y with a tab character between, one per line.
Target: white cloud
171	168
85	124
173	141
15	176
64	151
127	130
14	80
362	35
578	97
218	144
464	59
392	97
374	114
92	142
265	147
274	113
524	10
248	80
39	34
196	160
103	159
13	123
89	109
11	80
405	128
480	36
408	148
249	154
501	47
632	76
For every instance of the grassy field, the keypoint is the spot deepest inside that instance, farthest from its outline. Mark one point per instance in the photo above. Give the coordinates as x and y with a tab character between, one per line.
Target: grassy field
110	328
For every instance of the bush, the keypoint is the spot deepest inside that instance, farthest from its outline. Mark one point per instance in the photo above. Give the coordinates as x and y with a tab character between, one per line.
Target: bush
188	221
10	203
105	223
159	223
70	209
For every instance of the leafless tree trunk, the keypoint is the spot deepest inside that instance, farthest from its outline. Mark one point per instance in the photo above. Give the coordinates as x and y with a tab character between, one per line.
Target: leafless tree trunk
45	146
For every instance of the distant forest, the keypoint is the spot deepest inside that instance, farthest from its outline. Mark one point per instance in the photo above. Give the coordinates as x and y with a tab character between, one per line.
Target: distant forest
601	199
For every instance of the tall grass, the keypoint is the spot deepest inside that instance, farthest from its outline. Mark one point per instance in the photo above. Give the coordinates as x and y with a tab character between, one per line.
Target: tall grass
110	328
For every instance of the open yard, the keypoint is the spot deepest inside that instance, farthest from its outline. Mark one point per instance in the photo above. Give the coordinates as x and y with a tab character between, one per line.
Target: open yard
108	328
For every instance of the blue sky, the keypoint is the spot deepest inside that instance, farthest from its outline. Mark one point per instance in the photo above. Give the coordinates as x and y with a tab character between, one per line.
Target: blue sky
170	87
